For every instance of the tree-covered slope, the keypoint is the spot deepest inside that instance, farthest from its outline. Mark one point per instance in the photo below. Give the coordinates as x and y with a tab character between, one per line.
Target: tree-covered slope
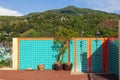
46	24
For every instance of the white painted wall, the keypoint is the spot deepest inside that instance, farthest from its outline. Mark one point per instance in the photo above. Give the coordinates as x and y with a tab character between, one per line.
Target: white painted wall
15	54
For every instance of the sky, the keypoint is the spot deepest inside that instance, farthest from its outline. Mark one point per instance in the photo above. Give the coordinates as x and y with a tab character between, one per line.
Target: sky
24	7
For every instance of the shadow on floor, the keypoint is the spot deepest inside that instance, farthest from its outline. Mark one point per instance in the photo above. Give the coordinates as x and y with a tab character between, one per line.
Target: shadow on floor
95	76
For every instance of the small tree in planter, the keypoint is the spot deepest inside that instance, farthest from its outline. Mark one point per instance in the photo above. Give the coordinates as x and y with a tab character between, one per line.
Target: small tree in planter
63	37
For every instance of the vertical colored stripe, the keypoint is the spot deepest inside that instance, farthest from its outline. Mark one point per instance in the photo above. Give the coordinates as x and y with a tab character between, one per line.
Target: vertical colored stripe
103	55
107	57
90	56
68	51
18	67
75	55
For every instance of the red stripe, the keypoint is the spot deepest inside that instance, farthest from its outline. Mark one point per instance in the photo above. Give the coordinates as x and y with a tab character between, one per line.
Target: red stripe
107	57
103	55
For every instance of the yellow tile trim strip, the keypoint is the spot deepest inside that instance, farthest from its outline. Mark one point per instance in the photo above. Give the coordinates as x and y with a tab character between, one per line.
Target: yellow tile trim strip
75	56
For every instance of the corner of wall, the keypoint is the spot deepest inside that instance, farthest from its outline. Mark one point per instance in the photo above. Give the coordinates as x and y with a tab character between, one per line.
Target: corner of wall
15	54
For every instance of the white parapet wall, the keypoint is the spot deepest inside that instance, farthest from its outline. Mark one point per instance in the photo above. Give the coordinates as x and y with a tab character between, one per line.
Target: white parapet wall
15	54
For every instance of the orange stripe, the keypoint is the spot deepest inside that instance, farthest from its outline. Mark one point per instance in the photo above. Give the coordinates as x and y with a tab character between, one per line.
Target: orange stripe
35	38
18	54
90	55
48	38
80	38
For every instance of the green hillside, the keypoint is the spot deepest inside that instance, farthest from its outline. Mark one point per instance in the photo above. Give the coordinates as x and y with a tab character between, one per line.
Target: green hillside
46	24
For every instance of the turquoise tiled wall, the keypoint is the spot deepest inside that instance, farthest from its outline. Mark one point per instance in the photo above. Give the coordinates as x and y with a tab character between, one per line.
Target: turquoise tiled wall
96	56
72	53
113	56
35	52
82	55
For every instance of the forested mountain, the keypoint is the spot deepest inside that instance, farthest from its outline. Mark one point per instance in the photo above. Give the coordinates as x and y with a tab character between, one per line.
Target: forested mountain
46	24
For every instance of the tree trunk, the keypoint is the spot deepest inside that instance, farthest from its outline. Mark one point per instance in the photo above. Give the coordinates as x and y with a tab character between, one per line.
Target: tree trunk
60	58
69	52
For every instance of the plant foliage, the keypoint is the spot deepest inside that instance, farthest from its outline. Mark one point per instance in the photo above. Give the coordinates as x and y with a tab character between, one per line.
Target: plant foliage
62	39
45	24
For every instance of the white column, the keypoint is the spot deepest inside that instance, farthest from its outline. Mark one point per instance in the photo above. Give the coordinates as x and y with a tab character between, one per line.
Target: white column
15	54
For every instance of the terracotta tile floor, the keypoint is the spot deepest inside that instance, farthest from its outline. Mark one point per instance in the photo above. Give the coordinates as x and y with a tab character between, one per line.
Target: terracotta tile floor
41	75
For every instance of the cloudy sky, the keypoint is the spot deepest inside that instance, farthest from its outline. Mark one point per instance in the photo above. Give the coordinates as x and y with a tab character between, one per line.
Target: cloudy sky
23	7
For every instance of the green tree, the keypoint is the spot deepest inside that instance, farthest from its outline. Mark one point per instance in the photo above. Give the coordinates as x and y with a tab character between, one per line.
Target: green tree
62	38
30	33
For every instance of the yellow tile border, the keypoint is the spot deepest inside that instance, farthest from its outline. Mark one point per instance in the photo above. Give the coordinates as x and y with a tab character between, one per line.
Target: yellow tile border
74	55
76	52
